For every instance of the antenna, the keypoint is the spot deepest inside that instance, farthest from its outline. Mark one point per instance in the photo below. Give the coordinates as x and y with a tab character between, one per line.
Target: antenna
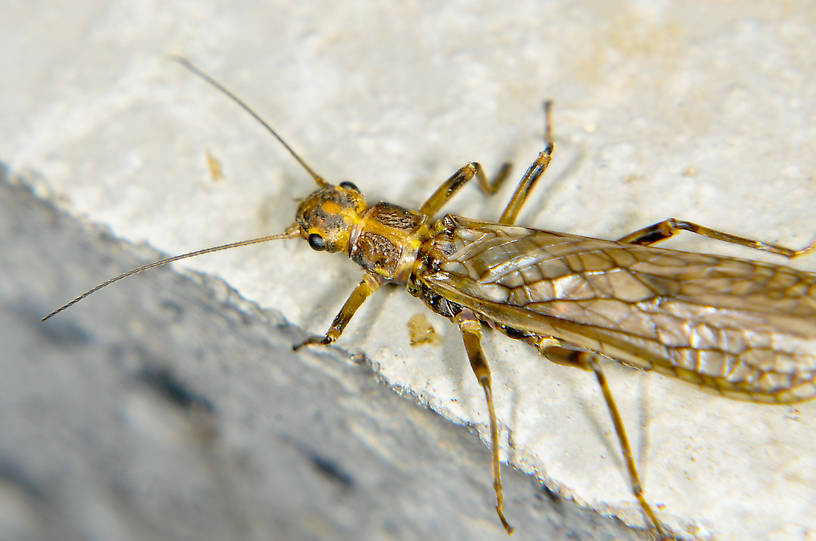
243	105
290	233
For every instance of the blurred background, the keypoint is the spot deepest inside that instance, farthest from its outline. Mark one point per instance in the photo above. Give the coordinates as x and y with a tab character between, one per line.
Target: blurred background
170	406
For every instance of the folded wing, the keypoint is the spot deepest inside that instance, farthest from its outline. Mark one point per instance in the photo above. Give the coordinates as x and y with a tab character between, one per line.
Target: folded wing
744	328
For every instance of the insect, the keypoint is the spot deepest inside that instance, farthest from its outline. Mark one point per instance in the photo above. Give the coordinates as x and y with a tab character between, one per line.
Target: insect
744	329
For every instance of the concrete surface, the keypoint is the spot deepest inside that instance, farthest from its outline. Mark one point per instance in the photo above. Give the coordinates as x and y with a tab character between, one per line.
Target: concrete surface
702	111
177	410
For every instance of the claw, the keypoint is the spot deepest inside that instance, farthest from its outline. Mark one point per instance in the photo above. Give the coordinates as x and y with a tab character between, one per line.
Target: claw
313	341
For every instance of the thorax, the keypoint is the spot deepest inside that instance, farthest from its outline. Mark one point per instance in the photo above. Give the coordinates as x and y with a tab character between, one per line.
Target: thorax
387	239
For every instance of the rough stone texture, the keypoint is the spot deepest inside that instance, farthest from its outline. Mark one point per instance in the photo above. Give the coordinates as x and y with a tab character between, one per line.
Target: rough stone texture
703	111
176	410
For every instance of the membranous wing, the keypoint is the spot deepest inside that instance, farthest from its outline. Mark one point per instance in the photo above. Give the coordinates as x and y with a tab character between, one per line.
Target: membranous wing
745	328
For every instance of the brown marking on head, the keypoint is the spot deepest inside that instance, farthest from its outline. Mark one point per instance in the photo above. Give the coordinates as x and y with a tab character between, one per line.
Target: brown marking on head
327	216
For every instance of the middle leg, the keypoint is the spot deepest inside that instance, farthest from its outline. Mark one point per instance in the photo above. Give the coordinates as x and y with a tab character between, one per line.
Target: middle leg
533	173
472	335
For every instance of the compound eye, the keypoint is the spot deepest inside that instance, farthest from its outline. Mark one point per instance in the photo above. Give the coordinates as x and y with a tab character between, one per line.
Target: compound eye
349	186
316	242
